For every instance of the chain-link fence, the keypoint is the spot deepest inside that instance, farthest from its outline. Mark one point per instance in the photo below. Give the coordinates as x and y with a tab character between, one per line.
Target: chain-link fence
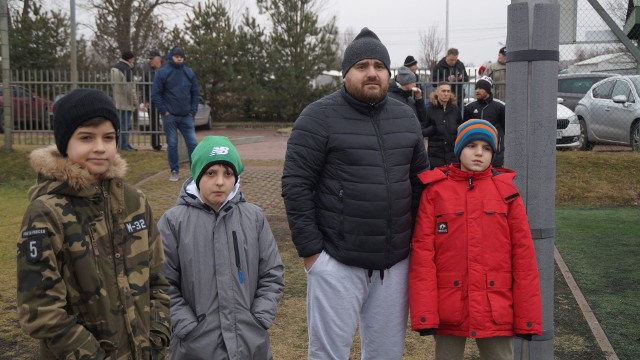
599	44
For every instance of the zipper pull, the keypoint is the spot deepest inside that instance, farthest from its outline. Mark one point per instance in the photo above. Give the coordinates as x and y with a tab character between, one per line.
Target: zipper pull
237	253
470	184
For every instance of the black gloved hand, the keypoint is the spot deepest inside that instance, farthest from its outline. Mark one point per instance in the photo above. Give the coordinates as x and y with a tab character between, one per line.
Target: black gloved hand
427	332
524	336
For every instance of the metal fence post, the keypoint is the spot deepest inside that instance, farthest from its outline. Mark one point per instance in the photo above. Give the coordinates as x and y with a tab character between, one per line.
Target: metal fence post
532	80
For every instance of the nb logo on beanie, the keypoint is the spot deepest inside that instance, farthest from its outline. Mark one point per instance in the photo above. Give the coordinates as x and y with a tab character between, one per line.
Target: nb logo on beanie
219	150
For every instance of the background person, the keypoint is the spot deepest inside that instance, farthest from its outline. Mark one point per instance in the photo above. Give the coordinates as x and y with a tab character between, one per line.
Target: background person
155	63
473	271
89	254
125	96
405	89
498	72
487	108
452	70
441	125
176	95
412	64
349	187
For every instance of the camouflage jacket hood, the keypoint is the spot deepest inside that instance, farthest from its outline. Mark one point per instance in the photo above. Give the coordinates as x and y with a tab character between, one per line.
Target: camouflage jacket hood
67	178
89	265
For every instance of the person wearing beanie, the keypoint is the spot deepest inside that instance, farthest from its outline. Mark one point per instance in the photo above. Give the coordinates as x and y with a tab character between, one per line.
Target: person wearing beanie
411	63
366	45
82	228
155	63
498	72
458	289
219	251
488	108
125	96
351	191
405	89
77	107
452	70
175	95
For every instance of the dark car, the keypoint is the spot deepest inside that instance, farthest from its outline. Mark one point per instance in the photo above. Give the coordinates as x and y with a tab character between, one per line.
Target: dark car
572	87
29	111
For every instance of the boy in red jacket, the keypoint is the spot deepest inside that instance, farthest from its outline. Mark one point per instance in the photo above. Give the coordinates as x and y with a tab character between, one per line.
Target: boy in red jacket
473	271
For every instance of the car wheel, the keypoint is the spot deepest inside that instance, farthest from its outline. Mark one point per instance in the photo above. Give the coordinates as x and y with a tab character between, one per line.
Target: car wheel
209	123
635	136
583	139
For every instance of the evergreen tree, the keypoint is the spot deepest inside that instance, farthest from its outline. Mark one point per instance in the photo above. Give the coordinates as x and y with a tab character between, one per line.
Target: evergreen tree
301	49
211	54
37	38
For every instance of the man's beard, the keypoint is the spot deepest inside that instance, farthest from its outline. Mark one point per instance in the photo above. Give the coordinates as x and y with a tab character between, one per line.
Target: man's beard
369	96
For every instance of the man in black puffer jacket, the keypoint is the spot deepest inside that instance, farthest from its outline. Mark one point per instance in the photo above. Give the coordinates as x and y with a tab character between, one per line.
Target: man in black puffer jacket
350	190
487	108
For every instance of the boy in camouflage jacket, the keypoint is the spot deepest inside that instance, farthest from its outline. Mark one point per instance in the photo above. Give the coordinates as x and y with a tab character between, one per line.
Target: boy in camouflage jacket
89	254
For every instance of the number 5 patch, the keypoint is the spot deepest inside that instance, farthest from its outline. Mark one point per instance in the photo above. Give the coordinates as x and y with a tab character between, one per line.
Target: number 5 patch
33	249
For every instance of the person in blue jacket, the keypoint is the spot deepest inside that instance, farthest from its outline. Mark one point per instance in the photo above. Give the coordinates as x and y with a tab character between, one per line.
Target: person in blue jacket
175	94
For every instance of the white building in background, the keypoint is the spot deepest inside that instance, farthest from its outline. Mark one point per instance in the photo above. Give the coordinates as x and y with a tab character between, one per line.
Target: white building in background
618	63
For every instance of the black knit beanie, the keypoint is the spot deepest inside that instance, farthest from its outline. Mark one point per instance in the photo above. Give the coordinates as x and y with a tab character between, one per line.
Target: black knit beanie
77	107
366	45
485	83
410	60
127	54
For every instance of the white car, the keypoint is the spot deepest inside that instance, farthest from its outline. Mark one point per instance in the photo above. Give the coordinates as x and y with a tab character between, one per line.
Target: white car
568	130
203	118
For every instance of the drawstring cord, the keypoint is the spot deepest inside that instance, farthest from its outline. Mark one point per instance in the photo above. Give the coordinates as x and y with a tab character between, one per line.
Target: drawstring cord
381	276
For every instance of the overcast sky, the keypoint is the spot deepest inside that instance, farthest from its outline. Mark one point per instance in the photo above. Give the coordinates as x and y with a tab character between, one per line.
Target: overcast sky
478	28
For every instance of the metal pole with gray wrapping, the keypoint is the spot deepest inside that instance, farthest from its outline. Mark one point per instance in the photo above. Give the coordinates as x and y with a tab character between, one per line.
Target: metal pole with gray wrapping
532	82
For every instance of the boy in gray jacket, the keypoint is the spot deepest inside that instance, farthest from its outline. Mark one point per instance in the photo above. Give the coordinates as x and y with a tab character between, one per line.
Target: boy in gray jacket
222	262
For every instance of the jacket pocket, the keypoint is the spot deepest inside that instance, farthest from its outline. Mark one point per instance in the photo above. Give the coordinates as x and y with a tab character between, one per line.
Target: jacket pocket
450	298
500	297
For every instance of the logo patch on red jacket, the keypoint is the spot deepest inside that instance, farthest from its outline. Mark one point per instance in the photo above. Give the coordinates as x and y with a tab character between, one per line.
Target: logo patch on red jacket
443	228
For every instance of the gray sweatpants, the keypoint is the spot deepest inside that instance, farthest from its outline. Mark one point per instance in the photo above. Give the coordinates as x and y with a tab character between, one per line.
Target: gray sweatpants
339	297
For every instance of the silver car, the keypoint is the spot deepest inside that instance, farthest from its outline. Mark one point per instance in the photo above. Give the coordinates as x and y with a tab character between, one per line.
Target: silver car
609	113
203	118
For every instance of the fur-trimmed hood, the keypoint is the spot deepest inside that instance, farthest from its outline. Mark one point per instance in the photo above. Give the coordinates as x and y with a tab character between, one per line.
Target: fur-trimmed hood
51	166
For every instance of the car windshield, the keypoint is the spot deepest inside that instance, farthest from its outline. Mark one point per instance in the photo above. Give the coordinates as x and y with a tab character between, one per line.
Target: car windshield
636	83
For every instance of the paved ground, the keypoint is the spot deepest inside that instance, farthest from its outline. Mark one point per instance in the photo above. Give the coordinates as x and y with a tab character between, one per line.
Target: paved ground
260	184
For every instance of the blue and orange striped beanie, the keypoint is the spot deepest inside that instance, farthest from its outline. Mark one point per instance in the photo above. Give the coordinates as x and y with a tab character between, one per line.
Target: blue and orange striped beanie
475	129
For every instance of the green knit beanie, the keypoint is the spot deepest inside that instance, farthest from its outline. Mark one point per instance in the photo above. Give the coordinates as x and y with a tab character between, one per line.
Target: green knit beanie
214	150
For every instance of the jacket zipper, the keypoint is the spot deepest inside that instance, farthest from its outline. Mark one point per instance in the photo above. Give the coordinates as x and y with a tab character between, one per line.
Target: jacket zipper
386	181
237	253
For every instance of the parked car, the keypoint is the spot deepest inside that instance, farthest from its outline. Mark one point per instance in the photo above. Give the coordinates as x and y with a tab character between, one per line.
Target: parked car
572	87
203	118
610	113
568	128
29	111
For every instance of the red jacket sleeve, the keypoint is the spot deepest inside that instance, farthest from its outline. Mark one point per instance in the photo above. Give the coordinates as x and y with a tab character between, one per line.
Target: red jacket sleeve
423	292
527	306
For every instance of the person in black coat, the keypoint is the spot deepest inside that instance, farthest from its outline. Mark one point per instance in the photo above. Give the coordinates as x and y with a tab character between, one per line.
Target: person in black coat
405	89
351	191
487	108
452	70
441	124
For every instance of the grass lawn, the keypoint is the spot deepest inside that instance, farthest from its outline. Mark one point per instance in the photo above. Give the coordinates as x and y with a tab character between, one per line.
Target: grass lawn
600	247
